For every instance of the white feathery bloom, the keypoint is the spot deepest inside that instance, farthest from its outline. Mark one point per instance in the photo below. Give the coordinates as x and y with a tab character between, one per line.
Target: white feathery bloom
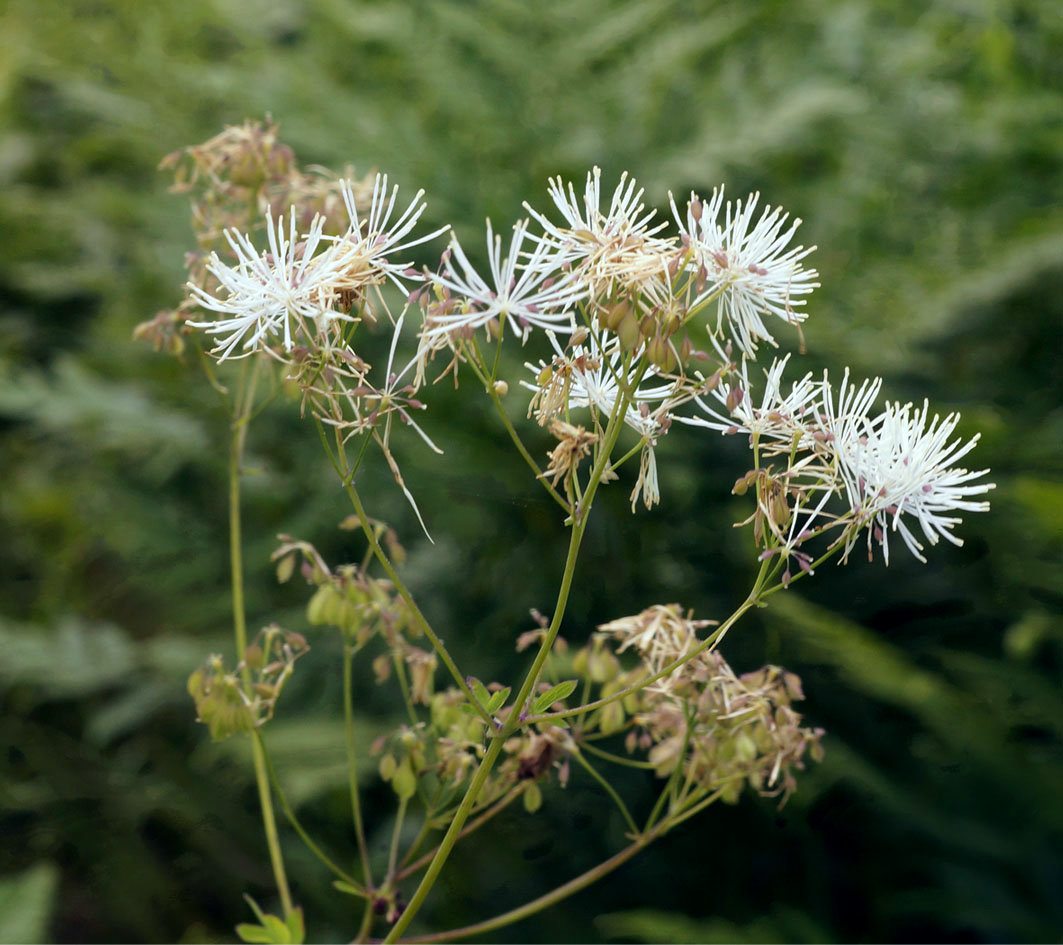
904	466
581	378
617	244
783	418
745	264
517	293
265	293
371	240
593	380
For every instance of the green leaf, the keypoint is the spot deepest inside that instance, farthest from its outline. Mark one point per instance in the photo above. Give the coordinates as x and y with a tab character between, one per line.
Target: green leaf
296	925
480	691
256	934
497	700
26	904
557	693
348	888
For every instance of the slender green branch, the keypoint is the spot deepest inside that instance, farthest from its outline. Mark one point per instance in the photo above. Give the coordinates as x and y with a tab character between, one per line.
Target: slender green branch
610	790
616	759
449	839
511	430
245	399
543	902
393	852
404	593
294	820
470	827
352	765
580	517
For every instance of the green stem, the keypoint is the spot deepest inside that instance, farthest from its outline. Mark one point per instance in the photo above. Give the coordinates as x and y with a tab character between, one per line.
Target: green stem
543	902
510	429
610	790
393	853
616	759
404	593
244	400
352	764
470	827
449	839
580	517
294	821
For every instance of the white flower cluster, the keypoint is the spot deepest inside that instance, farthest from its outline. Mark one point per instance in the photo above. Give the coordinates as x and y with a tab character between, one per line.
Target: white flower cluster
886	465
617	296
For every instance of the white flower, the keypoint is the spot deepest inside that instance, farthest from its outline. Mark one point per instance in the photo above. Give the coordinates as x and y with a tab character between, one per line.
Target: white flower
782	418
614	245
904	466
745	264
265	294
370	241
517	293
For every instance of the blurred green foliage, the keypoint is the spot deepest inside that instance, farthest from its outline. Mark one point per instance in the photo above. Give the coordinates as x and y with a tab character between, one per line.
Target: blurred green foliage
922	143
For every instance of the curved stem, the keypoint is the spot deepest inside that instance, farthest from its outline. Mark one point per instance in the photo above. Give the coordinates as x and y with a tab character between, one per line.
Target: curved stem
537	905
473	825
616	759
510	429
294	821
404	593
610	790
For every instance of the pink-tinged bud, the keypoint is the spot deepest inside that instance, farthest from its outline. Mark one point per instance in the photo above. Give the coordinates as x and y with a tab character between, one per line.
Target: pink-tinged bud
547	282
786	578
721	258
734	397
928	488
702	279
673	265
696	209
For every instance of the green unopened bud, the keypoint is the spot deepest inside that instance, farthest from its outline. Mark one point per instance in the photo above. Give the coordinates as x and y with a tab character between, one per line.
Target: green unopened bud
533	798
404	781
387	767
745	748
579	662
614	316
659	351
629	332
285	567
254	657
612	718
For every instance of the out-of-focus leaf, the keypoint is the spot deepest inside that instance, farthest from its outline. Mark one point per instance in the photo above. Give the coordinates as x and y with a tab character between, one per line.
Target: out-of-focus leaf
72	659
26	903
653	925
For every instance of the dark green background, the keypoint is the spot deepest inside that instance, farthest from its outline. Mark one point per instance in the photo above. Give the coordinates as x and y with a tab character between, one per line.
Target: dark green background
923	145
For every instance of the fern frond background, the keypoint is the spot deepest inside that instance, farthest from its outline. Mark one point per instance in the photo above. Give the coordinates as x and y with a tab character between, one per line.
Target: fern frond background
923	146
